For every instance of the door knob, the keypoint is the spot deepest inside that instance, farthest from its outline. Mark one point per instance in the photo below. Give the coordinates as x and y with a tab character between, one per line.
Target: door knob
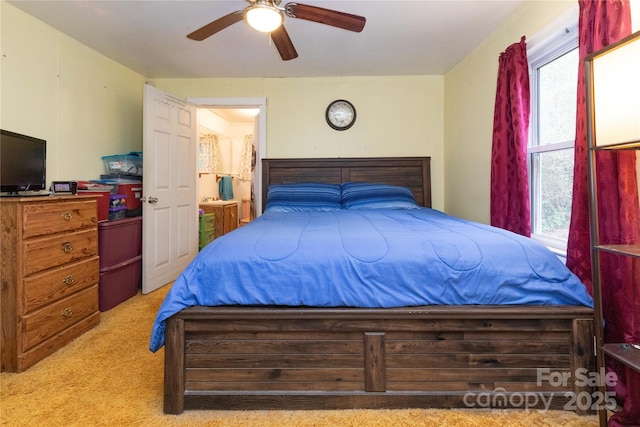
152	200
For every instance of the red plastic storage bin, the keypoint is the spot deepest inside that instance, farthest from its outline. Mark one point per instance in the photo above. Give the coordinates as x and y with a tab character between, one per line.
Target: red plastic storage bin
119	241
119	283
103	203
133	193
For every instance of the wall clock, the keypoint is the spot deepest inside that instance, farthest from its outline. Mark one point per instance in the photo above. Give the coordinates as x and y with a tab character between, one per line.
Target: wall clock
340	114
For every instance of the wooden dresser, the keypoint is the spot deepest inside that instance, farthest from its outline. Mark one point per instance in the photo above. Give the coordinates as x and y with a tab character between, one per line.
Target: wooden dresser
226	215
50	275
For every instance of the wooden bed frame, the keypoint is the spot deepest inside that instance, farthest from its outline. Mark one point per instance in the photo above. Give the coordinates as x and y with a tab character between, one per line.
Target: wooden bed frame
336	358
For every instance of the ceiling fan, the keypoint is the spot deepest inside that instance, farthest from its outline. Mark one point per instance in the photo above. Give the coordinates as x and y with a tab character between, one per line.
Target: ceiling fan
267	16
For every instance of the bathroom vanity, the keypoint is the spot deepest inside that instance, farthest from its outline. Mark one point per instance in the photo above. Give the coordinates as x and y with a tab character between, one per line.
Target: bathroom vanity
226	214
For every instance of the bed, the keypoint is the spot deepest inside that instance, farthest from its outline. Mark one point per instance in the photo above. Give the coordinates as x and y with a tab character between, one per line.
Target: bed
235	346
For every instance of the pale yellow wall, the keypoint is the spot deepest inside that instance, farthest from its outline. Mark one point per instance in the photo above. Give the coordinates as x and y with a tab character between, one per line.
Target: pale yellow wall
52	87
469	102
87	106
396	116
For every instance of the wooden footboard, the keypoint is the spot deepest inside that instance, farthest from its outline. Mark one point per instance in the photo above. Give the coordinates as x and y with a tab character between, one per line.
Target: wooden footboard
498	357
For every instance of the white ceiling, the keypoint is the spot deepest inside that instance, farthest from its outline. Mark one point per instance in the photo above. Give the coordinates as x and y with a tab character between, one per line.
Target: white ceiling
236	115
419	37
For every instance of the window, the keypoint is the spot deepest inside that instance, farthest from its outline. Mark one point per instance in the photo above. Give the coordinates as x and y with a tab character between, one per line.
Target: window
554	79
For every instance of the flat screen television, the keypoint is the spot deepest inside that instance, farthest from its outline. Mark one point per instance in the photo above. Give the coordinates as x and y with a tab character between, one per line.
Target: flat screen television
22	163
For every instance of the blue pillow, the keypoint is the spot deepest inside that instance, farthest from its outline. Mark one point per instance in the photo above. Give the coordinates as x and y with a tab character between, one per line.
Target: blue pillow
302	197
356	195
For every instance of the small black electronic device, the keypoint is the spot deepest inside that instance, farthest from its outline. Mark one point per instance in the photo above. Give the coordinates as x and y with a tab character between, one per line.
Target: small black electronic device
64	187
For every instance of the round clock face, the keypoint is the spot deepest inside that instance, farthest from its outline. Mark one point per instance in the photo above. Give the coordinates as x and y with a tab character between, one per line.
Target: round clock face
341	114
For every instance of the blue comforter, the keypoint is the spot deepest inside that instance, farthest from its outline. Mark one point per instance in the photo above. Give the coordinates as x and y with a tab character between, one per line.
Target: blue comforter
370	258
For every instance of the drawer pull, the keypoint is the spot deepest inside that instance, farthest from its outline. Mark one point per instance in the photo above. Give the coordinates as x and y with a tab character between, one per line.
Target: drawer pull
67	215
68	280
67	312
66	247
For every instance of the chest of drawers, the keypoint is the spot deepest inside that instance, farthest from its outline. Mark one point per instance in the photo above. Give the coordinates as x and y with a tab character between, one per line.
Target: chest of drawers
50	274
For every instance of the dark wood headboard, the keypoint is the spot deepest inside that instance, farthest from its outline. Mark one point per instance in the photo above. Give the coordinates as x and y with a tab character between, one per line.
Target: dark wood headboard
412	172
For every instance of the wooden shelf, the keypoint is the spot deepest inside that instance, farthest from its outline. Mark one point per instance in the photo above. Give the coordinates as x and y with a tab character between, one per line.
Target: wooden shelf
629	354
630	250
630	145
628	139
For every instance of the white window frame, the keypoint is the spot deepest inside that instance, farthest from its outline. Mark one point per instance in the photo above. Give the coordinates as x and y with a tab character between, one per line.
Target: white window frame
554	44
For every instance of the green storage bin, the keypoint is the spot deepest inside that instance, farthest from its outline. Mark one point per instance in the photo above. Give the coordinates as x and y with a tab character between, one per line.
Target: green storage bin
207	229
206	237
207	221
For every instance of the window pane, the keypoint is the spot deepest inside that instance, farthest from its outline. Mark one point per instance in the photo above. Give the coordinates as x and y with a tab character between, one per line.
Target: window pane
557	99
556	184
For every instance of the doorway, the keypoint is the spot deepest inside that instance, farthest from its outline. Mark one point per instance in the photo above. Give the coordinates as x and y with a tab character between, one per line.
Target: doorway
238	128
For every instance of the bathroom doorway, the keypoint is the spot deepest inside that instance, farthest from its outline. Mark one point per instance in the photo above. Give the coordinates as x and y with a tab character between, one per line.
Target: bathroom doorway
232	143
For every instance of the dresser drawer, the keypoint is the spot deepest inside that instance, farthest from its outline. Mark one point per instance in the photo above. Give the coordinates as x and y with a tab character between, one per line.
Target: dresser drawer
43	324
44	253
50	286
44	218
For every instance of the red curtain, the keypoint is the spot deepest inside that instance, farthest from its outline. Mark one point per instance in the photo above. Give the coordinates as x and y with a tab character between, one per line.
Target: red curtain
510	207
601	23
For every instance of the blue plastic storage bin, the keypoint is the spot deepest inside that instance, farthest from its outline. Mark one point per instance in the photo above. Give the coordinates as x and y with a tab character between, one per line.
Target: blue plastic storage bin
124	164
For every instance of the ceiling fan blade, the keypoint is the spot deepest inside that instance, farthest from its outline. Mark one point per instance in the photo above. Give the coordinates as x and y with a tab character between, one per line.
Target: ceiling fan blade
334	18
217	25
283	43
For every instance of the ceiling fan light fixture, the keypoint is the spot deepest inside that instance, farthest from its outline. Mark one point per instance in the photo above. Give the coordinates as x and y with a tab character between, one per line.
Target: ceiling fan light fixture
263	17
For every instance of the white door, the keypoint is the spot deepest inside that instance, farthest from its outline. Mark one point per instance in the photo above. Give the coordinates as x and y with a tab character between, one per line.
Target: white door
169	211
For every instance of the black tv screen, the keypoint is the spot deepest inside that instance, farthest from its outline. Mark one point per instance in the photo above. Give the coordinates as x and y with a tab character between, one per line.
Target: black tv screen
22	162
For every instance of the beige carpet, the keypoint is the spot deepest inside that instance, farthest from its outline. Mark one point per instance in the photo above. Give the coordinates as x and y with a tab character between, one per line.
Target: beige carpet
108	377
